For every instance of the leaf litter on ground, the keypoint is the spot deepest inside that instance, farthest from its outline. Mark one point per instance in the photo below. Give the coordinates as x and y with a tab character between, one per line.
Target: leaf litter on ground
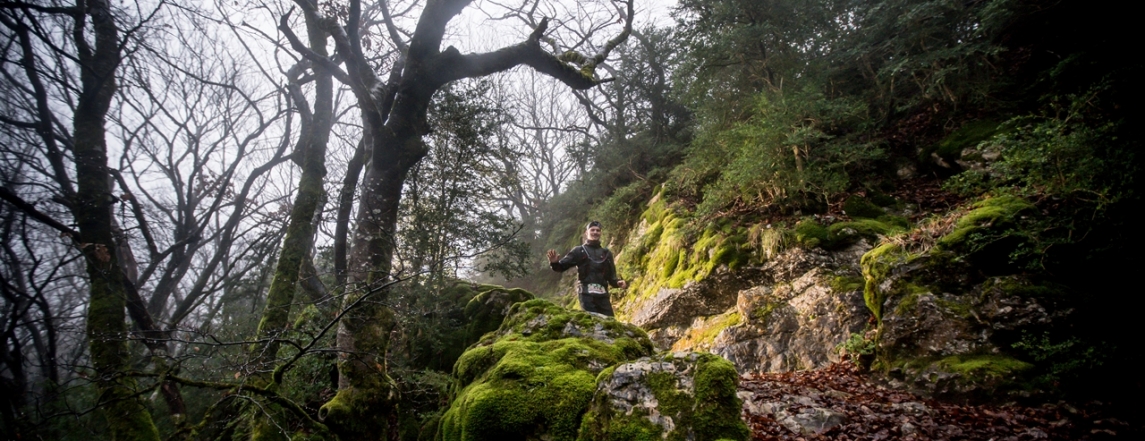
840	403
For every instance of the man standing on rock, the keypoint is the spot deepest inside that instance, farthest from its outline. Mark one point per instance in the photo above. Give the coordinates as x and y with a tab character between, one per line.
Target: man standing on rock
595	271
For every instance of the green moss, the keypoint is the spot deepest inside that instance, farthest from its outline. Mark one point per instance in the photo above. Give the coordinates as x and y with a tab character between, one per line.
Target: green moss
877	264
633	428
846	283
670	264
355	411
994	213
486	310
984	366
976	372
651	237
810	234
534	387
909	300
842	234
859	207
1020	287
535	375
663	257
969	135
895	221
717	408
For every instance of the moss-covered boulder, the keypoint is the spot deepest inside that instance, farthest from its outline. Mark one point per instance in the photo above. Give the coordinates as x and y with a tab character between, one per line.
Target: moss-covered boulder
673	396
485	311
947	152
535	376
952	304
811	233
996	236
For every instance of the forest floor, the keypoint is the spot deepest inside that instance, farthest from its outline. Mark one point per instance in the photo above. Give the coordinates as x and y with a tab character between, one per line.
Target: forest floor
838	403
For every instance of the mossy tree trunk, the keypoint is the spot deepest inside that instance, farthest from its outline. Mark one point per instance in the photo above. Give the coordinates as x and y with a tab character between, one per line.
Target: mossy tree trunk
106	318
310	154
394	120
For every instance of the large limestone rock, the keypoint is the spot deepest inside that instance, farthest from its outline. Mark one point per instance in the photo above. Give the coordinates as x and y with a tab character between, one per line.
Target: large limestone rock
676	307
687	396
953	310
794	326
959	345
789	313
535	375
485	311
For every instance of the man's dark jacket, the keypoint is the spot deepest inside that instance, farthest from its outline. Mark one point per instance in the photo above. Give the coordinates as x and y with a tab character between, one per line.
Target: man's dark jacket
593	263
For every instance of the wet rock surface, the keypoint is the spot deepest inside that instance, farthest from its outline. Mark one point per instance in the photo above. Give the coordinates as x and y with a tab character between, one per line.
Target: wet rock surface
837	403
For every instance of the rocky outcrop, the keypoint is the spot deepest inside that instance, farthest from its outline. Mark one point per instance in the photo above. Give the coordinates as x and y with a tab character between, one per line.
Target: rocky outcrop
711	296
960	345
668	396
535	375
941	307
794	326
789	313
954	309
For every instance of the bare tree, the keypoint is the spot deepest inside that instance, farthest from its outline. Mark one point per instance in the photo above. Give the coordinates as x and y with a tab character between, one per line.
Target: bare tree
537	147
394	120
91	53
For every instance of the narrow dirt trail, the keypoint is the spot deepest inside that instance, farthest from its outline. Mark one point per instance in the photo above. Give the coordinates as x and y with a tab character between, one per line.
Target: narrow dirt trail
836	403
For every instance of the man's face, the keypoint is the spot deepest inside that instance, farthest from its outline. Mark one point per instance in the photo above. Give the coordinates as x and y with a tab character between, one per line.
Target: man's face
593	233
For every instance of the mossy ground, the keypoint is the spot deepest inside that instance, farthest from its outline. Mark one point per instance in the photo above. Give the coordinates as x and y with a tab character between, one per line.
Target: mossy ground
847	283
811	234
969	135
984	366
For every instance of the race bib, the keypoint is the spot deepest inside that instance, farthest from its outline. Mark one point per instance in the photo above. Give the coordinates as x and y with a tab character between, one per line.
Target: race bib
596	288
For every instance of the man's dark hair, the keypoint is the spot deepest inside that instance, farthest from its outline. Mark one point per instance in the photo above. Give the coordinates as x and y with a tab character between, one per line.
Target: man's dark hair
594	224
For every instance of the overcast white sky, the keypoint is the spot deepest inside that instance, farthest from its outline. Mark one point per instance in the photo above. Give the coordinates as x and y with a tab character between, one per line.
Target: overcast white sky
474	31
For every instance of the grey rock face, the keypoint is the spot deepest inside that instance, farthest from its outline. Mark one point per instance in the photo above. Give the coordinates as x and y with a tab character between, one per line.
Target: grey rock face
675	307
681	395
923	334
931	328
804	414
794	326
944	324
792	313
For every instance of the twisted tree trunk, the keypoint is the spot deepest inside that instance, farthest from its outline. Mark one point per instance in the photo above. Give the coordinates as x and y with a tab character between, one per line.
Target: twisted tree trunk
394	120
